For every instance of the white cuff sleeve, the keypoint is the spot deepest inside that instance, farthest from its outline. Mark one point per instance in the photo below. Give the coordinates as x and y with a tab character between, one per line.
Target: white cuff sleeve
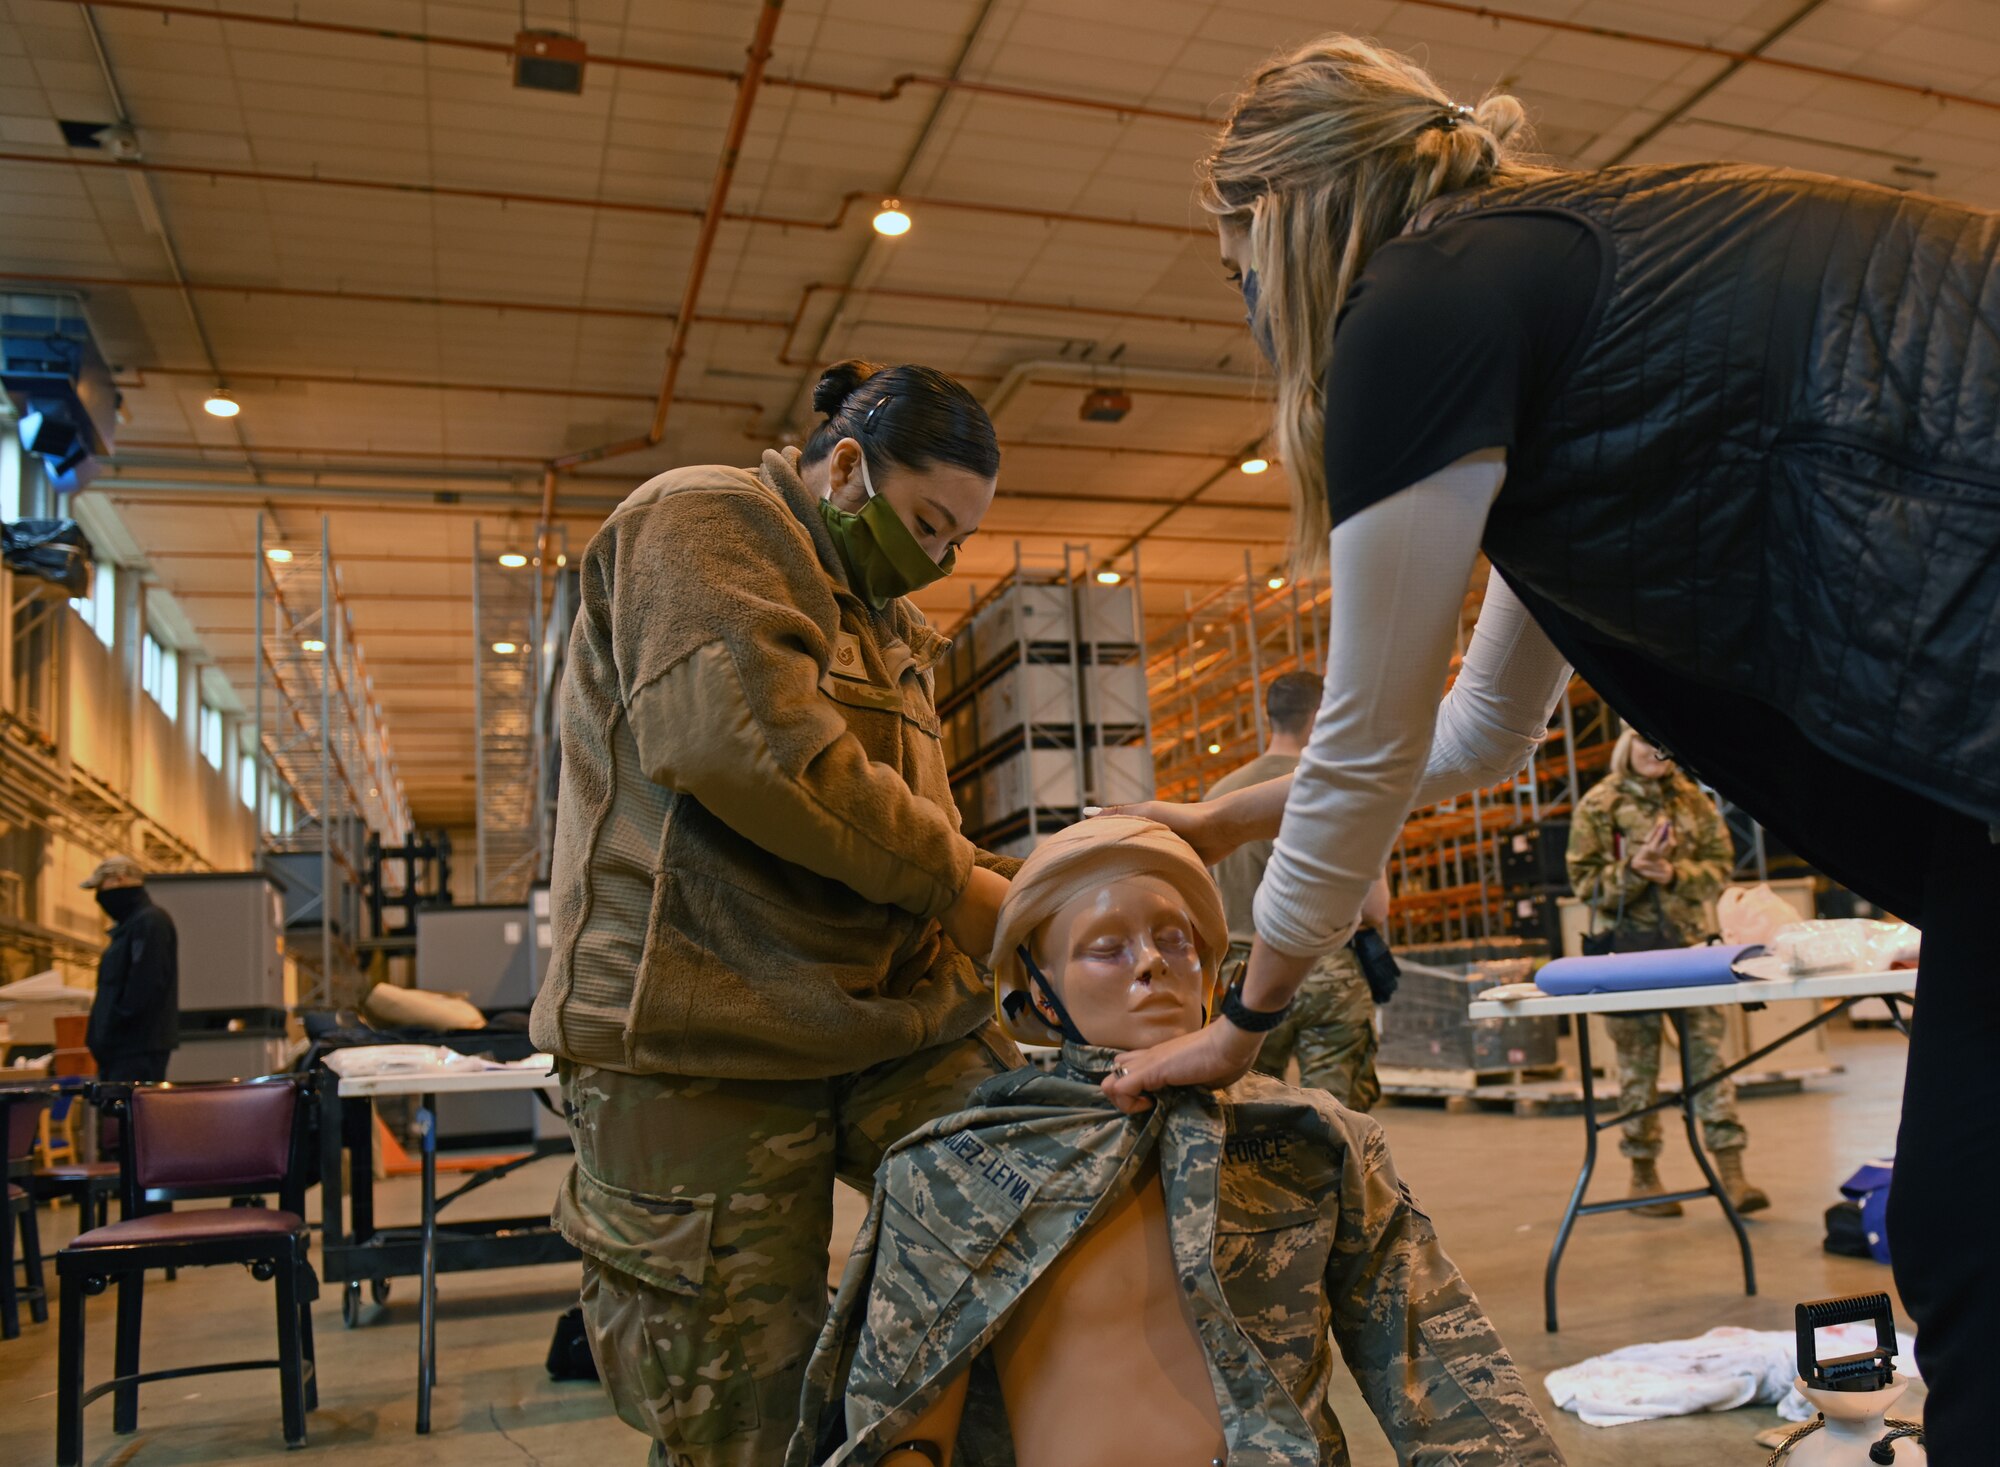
1398	573
1497	712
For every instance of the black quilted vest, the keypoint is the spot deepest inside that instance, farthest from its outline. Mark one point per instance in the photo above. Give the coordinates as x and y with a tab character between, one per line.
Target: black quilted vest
1771	470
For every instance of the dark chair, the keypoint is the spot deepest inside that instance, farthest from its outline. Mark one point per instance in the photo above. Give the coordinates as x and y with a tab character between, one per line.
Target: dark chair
22	1128
183	1142
91	1185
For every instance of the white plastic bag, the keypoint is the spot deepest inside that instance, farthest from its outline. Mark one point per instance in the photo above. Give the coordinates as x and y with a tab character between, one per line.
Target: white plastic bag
1846	945
1752	914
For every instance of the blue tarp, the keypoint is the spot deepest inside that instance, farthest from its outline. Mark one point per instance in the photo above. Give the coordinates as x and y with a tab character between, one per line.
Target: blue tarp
1678	967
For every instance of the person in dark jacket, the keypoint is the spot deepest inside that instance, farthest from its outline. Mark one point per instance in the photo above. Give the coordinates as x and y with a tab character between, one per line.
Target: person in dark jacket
1730	437
135	1018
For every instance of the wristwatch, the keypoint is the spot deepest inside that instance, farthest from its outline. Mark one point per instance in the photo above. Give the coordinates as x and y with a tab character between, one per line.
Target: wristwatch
1249	1020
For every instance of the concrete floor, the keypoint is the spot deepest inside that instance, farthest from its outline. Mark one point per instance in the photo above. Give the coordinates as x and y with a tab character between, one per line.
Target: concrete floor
1494	1184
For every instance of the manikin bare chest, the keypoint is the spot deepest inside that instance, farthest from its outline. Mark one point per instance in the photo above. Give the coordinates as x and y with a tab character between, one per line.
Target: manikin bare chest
1100	1364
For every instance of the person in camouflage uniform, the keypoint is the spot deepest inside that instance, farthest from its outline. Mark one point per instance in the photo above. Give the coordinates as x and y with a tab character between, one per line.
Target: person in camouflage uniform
1331	1027
1288	1220
705	1261
764	907
1648	850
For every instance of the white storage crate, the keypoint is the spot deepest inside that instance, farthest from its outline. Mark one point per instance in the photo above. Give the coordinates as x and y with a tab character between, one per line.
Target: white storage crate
958	661
1044	778
1124	774
1021	613
969	794
1034	692
1117	694
1109	613
1047	779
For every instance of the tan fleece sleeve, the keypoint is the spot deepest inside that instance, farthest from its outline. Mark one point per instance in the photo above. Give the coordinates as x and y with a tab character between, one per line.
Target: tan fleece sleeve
716	607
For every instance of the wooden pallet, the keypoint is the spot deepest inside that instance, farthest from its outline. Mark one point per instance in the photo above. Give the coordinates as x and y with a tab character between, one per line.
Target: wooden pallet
1546	1090
1530	1091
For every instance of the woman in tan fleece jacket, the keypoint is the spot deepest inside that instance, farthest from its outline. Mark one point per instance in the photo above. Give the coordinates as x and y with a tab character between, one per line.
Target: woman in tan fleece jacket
762	900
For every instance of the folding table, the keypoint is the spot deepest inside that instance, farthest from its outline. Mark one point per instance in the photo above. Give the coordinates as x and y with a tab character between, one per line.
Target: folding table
378	1253
1842	989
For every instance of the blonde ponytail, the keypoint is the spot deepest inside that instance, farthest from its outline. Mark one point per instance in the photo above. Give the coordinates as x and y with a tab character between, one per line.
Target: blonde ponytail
1327	155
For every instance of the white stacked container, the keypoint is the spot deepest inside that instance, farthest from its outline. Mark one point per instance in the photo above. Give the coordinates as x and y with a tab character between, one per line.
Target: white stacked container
1028	694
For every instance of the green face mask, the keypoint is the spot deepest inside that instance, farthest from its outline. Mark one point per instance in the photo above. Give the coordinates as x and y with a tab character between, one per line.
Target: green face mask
882	557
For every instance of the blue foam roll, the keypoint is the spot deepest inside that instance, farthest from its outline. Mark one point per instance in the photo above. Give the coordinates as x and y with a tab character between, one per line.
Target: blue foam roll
1674	967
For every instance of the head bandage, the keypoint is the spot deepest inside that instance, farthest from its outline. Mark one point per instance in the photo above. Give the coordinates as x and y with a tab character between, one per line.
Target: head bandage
1081	859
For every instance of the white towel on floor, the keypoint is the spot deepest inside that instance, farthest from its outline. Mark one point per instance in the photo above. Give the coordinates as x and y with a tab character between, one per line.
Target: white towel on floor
1719	1371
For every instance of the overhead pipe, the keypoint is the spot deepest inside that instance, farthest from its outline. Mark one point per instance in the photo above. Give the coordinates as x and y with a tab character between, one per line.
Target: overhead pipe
828	225
392	298
146	479
932	297
1091	374
789	327
521	389
896	88
890	93
704	246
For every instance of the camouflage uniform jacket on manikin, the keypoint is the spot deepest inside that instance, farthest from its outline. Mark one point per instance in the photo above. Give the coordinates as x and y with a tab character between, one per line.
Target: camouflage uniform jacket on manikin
1287	1221
1630	807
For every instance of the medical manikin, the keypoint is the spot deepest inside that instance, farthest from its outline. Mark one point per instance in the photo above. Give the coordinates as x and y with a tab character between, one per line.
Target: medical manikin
1042	1279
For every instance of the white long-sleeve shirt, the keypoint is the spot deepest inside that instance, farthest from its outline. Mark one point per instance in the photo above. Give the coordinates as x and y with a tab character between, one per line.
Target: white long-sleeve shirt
1383	743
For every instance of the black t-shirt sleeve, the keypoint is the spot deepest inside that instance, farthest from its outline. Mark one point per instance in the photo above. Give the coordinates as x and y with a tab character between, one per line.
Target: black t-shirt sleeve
1448	341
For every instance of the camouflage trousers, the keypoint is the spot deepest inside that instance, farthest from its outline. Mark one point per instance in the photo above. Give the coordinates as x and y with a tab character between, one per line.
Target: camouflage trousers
1331	1031
704	1209
1637	1037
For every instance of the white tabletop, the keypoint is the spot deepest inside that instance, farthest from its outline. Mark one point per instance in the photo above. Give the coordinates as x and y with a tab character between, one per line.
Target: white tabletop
1745	990
448	1082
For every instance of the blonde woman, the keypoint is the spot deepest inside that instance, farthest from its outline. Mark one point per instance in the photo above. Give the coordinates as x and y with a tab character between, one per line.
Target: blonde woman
1731	438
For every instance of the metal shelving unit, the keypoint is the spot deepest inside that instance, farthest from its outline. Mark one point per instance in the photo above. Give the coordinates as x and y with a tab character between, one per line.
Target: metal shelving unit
507	669
319	735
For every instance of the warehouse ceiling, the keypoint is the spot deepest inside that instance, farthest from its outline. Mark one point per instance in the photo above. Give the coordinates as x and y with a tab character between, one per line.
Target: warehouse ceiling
423	283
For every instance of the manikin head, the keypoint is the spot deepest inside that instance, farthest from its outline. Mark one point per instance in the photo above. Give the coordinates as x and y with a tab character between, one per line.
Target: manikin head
1125	925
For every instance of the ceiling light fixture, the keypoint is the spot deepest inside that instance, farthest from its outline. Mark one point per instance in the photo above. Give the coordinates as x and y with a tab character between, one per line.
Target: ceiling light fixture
1108	577
513	560
890	219
1215	748
1254	465
278	553
220	404
1276	583
313	644
505	649
1105	405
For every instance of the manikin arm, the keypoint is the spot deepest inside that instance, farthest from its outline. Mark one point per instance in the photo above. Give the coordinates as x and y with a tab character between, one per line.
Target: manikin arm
1427	1359
938	1425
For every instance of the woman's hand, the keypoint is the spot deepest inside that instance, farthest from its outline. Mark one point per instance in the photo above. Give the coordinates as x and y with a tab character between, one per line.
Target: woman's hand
969	921
1196	824
1218	1054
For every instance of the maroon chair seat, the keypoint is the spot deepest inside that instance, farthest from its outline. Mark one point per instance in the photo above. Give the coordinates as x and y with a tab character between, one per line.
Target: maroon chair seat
205	1225
188	1143
14	1193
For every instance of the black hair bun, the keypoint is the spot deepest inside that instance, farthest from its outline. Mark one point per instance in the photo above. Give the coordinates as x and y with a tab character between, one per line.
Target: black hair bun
839	382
